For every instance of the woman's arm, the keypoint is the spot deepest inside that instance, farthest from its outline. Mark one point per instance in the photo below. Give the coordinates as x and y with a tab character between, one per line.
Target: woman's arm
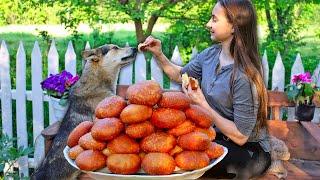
154	46
227	127
172	70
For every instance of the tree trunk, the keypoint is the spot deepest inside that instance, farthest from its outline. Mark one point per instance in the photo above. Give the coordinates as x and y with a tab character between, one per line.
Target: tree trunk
269	20
139	31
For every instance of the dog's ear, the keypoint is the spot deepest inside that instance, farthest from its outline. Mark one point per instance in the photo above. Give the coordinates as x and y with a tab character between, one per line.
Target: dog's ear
95	54
91	54
87	53
102	50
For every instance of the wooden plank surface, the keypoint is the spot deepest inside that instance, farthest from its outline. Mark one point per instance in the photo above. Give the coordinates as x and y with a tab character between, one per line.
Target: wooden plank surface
299	169
301	144
313	129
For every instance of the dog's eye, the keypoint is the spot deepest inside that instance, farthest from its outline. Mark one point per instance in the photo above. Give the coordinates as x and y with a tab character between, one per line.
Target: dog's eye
115	47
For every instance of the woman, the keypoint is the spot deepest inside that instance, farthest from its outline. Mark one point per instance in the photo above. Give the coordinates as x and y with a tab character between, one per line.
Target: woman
232	88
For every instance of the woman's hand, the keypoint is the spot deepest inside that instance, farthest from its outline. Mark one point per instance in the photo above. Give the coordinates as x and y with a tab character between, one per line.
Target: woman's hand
196	96
153	45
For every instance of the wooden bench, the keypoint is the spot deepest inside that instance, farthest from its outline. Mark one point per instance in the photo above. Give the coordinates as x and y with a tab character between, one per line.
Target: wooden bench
302	138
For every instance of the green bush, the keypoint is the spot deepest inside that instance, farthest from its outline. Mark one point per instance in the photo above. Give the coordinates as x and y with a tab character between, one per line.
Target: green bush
9	155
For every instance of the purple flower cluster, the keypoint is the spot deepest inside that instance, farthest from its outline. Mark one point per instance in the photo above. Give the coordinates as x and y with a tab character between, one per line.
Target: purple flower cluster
302	78
59	83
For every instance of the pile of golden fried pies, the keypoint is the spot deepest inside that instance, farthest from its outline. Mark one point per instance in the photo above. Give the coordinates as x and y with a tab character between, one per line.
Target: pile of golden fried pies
155	131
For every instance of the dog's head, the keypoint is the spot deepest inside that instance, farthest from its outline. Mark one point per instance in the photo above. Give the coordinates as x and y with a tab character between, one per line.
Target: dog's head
110	55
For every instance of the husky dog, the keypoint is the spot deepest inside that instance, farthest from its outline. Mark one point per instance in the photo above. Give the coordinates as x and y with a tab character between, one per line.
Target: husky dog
98	81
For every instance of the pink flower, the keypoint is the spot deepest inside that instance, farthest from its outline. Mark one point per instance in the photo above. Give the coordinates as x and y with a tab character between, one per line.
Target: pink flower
71	81
303	78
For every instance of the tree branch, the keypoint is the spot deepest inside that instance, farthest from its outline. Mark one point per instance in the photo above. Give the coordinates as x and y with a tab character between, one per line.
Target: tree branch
151	22
156	14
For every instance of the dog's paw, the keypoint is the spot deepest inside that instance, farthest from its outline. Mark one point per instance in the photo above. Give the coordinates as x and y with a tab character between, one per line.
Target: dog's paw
276	168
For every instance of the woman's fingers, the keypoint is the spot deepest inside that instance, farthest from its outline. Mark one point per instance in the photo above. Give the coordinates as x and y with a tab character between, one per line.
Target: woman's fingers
149	40
184	89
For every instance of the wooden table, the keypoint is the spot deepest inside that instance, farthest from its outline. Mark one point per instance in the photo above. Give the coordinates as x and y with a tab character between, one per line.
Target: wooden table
303	141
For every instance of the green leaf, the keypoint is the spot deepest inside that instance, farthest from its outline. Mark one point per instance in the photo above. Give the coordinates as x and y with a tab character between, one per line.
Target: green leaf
292	92
308	90
301	100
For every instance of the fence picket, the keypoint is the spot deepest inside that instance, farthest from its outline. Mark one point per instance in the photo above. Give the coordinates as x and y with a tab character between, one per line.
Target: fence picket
87	47
316	79
6	96
316	76
140	68
156	72
265	67
278	73
70	60
6	102
297	67
194	53
176	59
21	114
37	101
125	76
53	68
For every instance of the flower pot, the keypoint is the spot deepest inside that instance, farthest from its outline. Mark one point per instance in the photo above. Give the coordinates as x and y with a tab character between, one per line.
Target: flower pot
58	110
304	112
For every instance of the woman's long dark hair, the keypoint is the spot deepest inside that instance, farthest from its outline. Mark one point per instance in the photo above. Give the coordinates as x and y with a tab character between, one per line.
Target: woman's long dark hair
244	49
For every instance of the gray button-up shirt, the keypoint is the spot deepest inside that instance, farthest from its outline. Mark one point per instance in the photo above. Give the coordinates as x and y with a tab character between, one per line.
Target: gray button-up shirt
240	105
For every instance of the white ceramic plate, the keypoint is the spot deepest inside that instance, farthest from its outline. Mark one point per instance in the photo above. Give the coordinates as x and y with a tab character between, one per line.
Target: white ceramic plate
178	174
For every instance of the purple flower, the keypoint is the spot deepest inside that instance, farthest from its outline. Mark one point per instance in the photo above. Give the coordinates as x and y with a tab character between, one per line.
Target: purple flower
302	78
59	83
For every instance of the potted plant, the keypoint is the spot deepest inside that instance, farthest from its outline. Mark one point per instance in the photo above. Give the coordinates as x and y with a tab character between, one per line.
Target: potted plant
57	87
302	91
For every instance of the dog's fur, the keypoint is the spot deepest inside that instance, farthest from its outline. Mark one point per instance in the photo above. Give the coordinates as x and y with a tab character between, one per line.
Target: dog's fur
279	153
98	81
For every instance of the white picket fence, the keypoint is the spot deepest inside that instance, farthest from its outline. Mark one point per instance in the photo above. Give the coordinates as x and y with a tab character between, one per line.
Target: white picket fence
36	95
